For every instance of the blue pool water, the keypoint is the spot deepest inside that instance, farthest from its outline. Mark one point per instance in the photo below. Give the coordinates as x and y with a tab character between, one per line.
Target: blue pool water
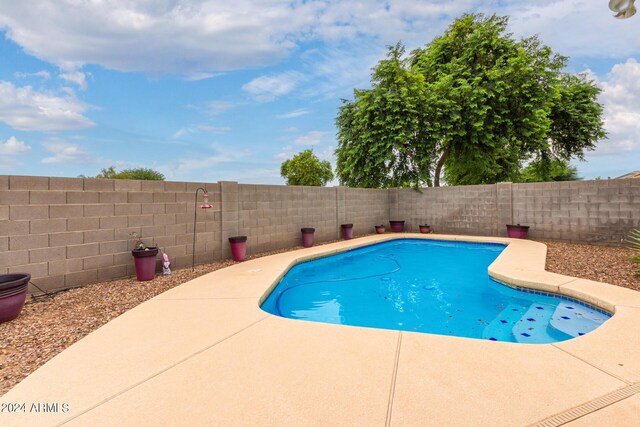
428	286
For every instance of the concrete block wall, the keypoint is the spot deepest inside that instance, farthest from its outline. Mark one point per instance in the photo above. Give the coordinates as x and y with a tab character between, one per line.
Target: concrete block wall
471	210
271	216
69	231
601	211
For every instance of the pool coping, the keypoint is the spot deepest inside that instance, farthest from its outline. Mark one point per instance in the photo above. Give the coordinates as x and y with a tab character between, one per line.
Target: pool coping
206	337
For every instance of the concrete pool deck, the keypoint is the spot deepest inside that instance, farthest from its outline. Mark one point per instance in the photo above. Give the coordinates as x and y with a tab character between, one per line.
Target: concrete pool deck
204	353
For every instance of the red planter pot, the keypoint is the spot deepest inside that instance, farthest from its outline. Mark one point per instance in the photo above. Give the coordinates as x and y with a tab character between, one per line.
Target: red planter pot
238	247
379	229
517	231
13	294
347	231
307	236
425	229
397	226
145	261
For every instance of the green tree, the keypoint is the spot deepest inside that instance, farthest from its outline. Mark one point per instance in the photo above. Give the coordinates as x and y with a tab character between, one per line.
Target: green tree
135	173
548	170
473	105
306	169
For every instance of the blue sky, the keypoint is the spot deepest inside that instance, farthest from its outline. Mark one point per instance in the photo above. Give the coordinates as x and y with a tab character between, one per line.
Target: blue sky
212	90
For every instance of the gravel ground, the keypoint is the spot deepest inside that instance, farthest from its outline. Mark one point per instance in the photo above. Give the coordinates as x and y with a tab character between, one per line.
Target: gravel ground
47	326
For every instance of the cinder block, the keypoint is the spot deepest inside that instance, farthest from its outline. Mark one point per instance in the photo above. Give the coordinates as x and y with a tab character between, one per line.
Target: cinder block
96	184
127	185
4	212
4	182
66	211
164	219
164	197
98	236
103	209
113	197
14	197
116	246
164	241
112	272
80	278
47	197
43	226
4	244
47	254
175	187
83	224
99	261
152	231
14	228
36	270
32	241
139	197
66	184
64	266
11	258
28	182
83	251
173	229
114	222
18	212
82	197
139	220
151	208
123	258
48	283
151	186
127	209
64	239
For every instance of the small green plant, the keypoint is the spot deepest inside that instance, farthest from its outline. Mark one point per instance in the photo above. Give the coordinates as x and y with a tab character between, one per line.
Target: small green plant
137	242
633	241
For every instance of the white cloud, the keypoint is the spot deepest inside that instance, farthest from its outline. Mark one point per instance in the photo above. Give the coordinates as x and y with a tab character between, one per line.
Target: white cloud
268	88
76	77
218	155
13	147
295	113
44	75
65	152
200	128
219	107
26	109
197	76
621	99
313	137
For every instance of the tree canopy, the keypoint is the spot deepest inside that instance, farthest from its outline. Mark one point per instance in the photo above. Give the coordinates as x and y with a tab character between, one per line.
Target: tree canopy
306	169
473	106
135	173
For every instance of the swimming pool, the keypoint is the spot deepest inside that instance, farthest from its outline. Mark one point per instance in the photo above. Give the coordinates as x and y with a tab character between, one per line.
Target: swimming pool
431	286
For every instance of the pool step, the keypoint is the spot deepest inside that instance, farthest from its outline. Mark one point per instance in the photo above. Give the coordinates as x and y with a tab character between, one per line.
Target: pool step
500	328
533	326
575	320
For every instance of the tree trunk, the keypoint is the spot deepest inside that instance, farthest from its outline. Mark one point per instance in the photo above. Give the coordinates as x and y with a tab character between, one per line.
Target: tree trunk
439	165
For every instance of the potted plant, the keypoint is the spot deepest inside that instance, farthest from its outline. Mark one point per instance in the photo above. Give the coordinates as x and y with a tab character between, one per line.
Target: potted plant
425	229
517	231
144	258
13	293
238	247
307	236
379	229
347	231
397	226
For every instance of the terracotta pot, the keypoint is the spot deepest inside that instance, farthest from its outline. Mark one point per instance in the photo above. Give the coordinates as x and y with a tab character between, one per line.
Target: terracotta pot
307	236
13	294
379	229
238	247
517	231
397	226
425	229
347	231
145	261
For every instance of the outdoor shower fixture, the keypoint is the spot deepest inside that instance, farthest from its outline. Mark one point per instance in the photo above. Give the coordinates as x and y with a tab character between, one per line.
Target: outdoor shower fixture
205	205
623	8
